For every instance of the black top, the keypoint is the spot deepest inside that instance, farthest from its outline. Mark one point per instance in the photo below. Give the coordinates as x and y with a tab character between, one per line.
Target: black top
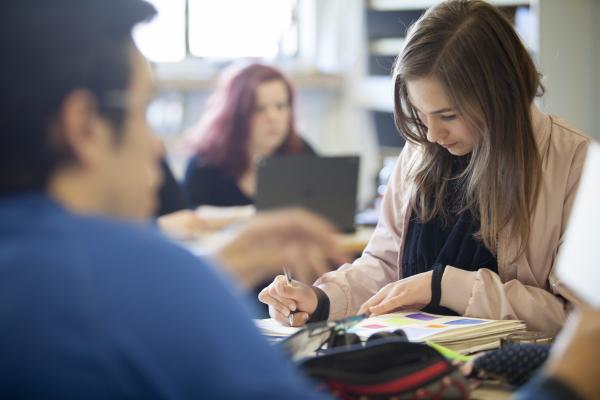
211	185
171	196
430	242
434	242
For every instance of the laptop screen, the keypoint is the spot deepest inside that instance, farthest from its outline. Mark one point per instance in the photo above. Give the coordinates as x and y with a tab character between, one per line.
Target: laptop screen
325	185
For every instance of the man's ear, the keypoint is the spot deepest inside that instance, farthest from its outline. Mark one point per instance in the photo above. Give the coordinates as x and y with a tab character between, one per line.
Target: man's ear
80	133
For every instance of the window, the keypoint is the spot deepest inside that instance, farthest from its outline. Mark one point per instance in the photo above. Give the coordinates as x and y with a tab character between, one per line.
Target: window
223	29
163	39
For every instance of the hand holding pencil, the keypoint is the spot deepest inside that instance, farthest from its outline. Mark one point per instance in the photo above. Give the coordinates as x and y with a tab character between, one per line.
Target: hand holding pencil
290	302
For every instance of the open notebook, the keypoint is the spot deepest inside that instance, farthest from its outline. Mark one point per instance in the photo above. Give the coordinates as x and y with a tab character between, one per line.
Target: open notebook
462	334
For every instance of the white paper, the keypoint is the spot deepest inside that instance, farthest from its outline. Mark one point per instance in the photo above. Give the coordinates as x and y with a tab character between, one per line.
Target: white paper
578	262
270	327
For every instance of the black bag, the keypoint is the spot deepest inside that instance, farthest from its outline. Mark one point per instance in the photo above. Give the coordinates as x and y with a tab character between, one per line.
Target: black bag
386	369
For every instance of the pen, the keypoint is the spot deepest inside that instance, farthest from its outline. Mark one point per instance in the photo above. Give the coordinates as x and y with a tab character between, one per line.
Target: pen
288	277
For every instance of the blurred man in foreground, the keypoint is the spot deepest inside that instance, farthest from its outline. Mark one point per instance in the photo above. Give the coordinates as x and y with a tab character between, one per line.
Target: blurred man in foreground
93	305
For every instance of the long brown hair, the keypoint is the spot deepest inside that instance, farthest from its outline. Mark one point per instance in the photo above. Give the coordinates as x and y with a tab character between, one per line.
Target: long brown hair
223	132
473	51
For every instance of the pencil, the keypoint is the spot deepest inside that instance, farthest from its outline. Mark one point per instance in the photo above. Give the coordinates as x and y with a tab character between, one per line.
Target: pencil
288	277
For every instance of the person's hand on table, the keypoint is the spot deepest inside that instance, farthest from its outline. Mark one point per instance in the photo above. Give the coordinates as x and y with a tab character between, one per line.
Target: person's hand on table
297	239
216	218
413	292
183	224
284	298
189	224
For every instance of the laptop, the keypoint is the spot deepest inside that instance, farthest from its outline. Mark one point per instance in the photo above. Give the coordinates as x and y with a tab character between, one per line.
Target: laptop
578	265
325	185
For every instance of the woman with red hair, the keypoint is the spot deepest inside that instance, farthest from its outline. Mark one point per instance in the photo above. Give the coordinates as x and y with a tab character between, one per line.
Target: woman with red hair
250	116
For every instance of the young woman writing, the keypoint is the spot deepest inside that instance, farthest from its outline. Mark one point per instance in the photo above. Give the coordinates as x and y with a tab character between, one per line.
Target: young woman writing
477	205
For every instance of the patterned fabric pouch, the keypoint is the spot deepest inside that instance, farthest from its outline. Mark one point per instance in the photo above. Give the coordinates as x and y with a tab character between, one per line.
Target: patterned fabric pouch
514	364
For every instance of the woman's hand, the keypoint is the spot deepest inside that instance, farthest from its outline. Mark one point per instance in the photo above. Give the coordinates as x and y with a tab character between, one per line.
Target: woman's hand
284	298
413	292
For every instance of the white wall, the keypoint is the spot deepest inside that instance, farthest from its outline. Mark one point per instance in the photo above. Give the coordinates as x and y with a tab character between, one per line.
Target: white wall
569	56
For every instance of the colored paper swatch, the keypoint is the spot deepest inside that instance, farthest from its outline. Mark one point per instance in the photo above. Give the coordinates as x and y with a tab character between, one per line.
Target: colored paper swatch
421	317
374	326
399	321
465	321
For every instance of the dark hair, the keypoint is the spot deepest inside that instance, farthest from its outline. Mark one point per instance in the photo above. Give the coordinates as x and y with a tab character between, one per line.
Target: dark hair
476	55
223	132
49	49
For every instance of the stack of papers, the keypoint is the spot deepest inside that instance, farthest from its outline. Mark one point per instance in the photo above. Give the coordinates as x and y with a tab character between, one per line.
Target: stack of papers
462	334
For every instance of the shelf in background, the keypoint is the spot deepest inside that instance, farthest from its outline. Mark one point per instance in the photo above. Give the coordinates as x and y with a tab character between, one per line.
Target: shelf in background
387	46
375	93
384	5
302	81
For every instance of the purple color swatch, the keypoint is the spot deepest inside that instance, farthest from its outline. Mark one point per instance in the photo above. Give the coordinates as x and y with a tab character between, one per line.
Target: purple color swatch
465	322
420	317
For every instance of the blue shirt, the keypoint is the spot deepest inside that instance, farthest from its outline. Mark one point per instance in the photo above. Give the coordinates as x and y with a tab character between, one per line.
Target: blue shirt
543	387
100	309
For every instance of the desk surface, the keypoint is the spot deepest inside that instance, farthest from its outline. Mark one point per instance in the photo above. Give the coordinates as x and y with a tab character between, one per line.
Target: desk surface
351	243
490	391
355	243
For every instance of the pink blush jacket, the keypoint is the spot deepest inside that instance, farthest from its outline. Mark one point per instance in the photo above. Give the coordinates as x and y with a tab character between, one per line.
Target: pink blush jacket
523	289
